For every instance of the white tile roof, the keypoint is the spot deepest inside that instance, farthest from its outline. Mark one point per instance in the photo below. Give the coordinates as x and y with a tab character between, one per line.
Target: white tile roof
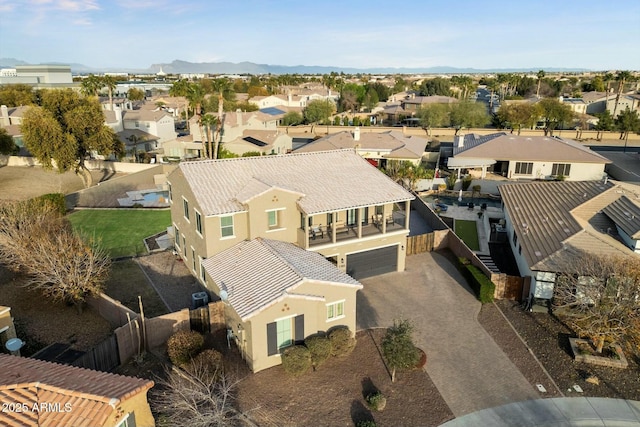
260	272
327	181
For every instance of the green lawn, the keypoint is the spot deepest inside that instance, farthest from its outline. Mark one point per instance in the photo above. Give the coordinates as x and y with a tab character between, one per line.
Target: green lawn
468	232
121	232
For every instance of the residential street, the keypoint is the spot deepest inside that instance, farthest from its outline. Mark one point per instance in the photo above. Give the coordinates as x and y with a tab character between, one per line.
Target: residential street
466	365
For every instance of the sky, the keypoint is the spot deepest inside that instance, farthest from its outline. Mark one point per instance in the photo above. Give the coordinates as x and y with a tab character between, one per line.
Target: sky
488	34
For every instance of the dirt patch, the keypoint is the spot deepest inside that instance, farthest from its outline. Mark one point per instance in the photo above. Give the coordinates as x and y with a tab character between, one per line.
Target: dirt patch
171	278
25	182
548	338
40	322
335	394
127	281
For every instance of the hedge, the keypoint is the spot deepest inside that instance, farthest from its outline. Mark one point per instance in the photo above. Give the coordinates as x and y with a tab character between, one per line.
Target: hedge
342	341
320	348
296	360
55	199
183	345
481	285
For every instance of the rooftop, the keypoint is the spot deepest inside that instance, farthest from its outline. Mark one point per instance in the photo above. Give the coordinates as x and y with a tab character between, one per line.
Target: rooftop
253	286
326	181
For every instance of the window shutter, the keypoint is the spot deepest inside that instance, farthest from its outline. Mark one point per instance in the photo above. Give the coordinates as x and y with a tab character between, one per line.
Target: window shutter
272	339
299	328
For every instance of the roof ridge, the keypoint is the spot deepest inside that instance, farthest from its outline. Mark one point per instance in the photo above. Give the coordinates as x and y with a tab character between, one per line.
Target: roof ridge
267	243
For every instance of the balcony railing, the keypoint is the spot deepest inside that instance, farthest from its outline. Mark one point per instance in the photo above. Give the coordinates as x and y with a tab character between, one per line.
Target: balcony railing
322	235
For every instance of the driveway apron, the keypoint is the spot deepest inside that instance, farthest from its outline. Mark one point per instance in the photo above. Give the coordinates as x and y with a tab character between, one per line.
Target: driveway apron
466	365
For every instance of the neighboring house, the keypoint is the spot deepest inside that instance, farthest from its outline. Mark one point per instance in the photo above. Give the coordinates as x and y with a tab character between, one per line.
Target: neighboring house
12	115
577	105
158	123
526	157
376	147
137	142
596	101
277	295
332	202
50	394
549	224
262	141
408	108
632	102
234	124
296	101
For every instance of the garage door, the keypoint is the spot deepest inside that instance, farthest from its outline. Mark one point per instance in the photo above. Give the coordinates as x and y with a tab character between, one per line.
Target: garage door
372	263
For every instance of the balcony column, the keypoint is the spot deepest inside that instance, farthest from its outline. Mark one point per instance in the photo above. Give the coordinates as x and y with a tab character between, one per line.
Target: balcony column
306	231
384	218
407	211
359	219
334	215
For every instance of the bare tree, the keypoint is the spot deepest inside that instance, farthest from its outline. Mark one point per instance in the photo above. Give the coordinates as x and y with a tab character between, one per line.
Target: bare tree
197	398
602	299
40	242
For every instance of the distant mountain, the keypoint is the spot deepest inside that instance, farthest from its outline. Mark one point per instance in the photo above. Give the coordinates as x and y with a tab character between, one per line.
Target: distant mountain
185	67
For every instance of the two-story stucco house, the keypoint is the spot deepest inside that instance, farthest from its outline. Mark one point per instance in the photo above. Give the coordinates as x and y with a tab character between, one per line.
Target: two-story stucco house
324	213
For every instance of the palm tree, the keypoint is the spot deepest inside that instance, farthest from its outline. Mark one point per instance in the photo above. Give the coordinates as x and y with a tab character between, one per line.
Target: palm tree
208	121
540	75
91	85
621	77
223	88
110	82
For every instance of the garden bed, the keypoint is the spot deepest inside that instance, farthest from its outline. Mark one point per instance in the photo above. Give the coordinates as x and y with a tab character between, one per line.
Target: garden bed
611	356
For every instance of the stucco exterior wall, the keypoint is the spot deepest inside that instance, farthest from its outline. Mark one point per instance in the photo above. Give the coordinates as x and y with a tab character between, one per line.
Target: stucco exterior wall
542	170
139	406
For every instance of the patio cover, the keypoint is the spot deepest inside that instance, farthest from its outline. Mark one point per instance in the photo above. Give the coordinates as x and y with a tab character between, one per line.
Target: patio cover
468	162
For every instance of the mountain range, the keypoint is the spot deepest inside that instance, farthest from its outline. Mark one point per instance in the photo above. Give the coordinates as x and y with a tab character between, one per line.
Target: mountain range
185	67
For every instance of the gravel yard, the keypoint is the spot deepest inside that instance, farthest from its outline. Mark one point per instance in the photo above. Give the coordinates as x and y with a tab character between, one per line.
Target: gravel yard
548	338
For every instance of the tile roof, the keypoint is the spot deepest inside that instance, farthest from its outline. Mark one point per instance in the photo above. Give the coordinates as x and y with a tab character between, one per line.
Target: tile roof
626	215
327	181
544	219
261	138
503	146
144	115
261	272
394	143
91	395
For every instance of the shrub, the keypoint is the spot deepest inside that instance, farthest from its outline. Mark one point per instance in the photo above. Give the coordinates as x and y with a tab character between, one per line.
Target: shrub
442	187
476	188
366	423
296	360
55	199
481	285
342	341
207	365
376	401
451	181
320	349
184	345
466	182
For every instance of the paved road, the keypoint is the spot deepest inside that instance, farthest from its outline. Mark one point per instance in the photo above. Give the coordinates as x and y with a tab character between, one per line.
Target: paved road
469	369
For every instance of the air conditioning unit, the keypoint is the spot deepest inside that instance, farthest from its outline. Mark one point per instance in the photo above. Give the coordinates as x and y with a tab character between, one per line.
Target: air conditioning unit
199	299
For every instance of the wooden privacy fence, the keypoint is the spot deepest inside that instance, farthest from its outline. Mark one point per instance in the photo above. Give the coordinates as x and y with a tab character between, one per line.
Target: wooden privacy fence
199	320
420	243
103	357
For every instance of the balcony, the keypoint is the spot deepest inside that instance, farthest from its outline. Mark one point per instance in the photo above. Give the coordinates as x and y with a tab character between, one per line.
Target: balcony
323	235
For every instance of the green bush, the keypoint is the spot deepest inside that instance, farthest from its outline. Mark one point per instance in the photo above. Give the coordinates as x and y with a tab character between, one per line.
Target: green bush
183	346
376	401
320	348
366	423
481	285
296	360
55	199
342	341
466	182
451	181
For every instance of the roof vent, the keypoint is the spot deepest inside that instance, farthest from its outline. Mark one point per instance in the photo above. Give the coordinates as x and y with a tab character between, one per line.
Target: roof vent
538	253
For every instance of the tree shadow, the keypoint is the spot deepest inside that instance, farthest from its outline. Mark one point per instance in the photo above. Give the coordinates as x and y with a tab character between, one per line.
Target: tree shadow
359	412
368	387
563	343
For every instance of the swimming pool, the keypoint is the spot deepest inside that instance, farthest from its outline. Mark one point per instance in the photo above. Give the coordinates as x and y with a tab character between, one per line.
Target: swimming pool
156	196
453	201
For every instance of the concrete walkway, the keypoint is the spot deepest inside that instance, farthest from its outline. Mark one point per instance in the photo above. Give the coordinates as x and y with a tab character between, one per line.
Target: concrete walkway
560	412
466	365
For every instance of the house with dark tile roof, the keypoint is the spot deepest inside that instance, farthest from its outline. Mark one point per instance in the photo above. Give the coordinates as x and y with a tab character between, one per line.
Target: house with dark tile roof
38	393
549	224
526	157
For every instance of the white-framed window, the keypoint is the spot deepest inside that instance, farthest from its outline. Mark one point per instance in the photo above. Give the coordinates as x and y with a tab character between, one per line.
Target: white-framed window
203	277
226	226
184	245
284	335
335	310
170	193
272	218
198	222
177	236
185	207
193	259
523	168
563	169
127	421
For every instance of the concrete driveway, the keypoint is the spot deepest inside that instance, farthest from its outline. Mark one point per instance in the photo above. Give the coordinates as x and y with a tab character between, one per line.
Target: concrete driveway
466	365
